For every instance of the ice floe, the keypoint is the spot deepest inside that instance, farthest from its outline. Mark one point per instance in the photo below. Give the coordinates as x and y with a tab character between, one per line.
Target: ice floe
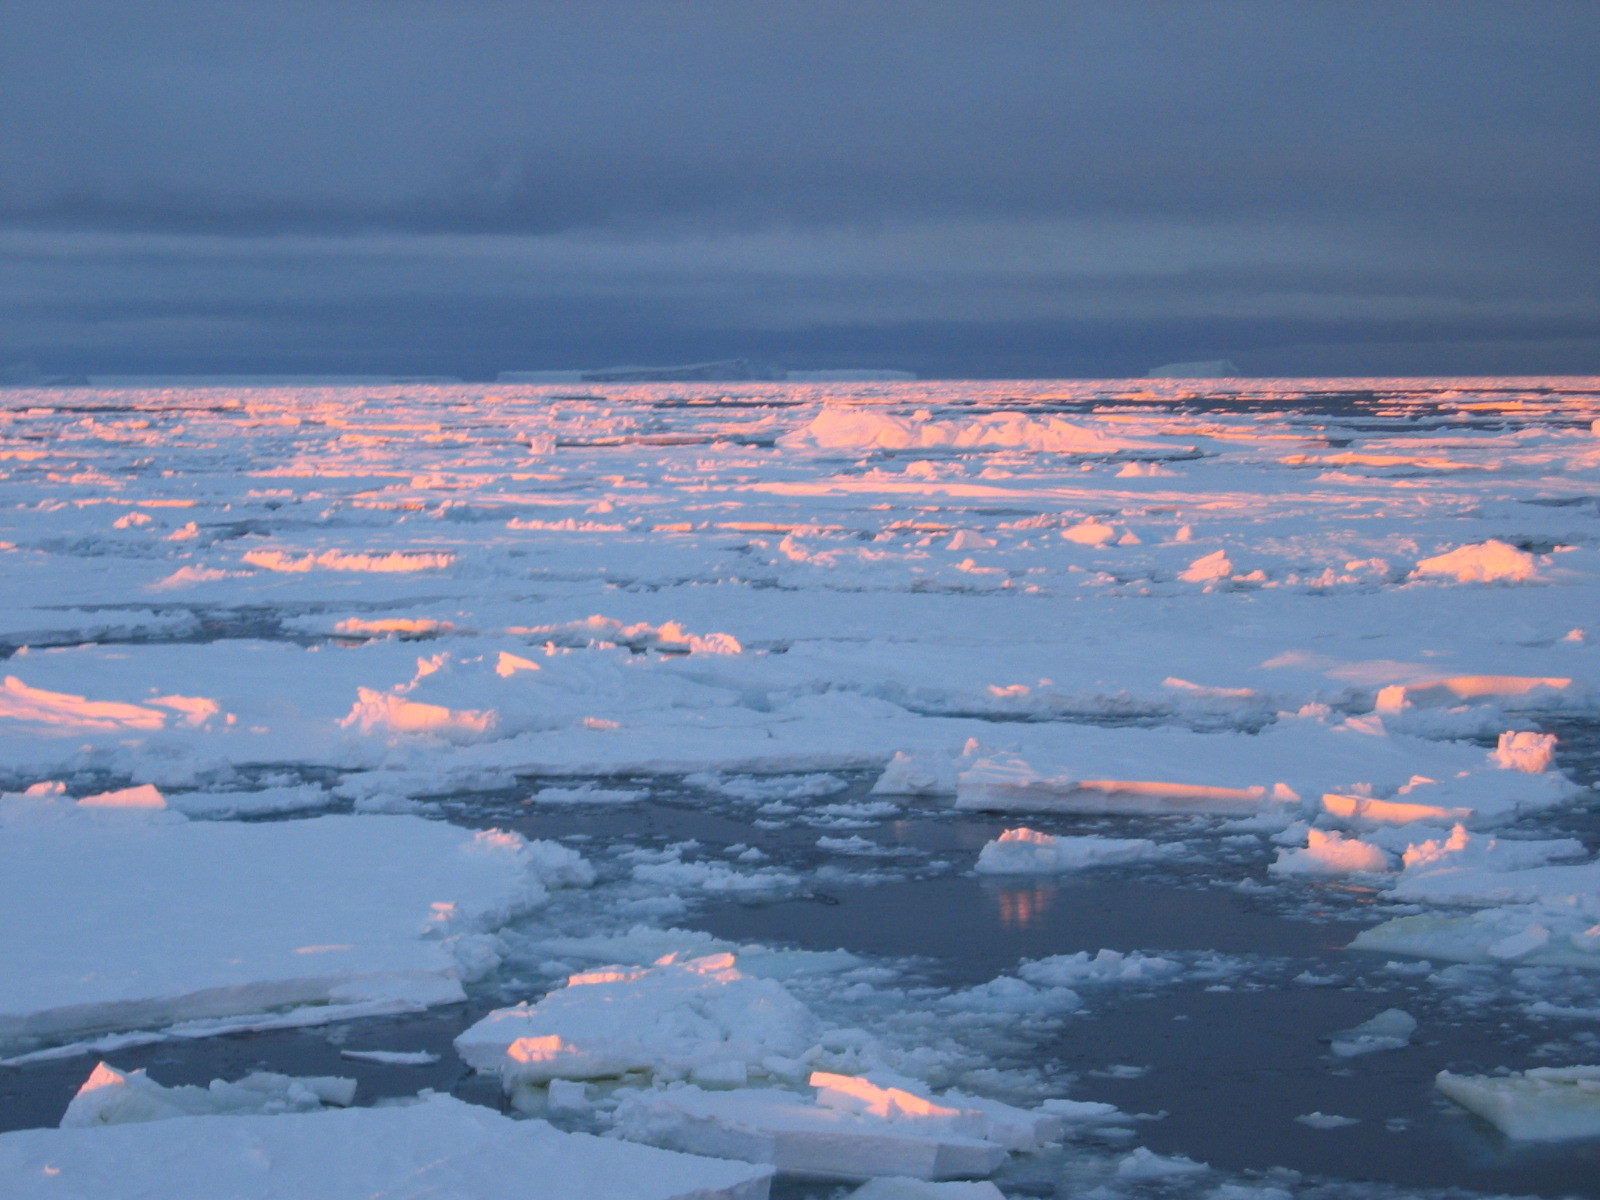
699	1018
459	1149
1025	851
1541	1104
141	917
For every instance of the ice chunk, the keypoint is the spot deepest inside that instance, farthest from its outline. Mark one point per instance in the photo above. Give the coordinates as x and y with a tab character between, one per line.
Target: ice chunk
1025	851
1322	1120
676	1019
1389	1030
1009	783
1105	967
1330	853
1564	934
110	1097
1209	568
1531	753
393	1058
1092	532
1146	1164
568	1095
1472	868
1484	562
446	1146
143	796
1542	1104
388	713
798	1136
917	775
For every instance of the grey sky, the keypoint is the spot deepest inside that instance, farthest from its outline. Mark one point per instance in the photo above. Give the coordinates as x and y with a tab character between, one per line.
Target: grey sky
981	188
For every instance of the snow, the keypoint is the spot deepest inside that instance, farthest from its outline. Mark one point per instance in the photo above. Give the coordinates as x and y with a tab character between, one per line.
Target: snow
440	1143
1025	851
1542	1104
139	917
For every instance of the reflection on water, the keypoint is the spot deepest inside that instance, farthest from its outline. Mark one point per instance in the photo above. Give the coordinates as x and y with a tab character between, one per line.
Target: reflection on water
1020	907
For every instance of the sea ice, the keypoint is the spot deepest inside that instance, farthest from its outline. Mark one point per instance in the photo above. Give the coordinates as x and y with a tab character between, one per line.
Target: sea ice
1541	1104
441	1144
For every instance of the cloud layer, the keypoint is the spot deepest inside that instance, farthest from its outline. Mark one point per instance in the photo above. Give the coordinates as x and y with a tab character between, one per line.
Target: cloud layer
961	188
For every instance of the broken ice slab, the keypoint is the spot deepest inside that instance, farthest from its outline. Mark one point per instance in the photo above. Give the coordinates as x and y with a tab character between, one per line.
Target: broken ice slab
701	1018
1565	933
444	1145
1330	853
1389	1030
112	1097
797	1136
1026	851
1542	1104
139	917
1367	772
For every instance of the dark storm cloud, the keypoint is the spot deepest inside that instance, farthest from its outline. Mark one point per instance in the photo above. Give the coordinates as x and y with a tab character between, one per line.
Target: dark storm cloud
765	169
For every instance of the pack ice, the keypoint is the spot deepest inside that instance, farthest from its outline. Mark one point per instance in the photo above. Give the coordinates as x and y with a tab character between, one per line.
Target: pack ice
140	917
